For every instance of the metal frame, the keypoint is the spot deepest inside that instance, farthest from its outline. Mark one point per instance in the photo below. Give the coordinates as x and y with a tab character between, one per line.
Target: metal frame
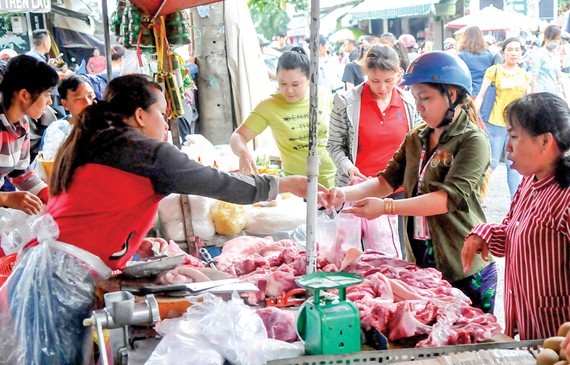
396	356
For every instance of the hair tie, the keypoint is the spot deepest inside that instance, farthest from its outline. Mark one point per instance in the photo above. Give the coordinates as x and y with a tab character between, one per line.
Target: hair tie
566	154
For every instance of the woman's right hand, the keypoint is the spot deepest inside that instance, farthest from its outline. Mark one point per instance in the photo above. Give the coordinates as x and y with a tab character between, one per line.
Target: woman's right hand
333	198
22	200
247	164
472	246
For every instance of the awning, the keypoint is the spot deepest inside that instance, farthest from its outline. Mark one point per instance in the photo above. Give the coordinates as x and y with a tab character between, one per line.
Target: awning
374	9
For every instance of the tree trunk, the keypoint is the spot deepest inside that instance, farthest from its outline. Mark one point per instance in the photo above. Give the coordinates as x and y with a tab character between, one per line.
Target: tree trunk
214	92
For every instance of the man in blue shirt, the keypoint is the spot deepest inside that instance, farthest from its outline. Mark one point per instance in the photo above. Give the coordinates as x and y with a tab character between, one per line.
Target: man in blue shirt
41	44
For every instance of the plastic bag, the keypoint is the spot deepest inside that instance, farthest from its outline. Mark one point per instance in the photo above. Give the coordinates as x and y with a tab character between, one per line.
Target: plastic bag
229	218
381	234
45	299
183	344
15	229
336	233
237	332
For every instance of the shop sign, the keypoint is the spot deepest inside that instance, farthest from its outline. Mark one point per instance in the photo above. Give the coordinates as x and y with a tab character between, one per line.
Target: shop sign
24	6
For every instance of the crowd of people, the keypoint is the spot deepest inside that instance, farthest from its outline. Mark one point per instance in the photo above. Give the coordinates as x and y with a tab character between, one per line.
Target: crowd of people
403	137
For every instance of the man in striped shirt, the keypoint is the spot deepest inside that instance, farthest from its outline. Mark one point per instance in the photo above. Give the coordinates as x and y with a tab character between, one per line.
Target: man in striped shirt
25	92
534	237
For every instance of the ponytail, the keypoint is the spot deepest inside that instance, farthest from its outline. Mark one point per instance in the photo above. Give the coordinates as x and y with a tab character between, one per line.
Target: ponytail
562	171
91	122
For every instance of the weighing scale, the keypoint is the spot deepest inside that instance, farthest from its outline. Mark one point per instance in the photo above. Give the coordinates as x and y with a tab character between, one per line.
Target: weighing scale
329	324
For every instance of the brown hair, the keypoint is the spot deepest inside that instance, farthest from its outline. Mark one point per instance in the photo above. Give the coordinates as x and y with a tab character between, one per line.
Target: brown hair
381	57
472	41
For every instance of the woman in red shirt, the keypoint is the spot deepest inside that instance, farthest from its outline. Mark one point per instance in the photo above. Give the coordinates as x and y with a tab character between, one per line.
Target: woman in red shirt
369	122
534	237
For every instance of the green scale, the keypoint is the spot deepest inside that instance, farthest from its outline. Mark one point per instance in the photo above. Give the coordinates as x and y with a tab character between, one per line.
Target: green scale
329	324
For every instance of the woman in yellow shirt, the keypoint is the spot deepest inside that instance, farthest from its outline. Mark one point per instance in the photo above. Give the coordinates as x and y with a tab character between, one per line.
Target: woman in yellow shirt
286	113
512	83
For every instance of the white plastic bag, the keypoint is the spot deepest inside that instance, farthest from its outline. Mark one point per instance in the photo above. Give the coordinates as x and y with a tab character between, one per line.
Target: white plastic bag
336	233
237	332
381	234
15	229
183	344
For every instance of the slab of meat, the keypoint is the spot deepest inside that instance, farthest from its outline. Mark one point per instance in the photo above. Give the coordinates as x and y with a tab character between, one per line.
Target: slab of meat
280	281
280	324
181	275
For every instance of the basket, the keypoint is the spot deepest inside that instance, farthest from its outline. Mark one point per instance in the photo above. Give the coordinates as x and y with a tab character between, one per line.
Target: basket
6	265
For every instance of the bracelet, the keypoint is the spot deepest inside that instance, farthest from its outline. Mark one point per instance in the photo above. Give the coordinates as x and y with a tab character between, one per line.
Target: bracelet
389	207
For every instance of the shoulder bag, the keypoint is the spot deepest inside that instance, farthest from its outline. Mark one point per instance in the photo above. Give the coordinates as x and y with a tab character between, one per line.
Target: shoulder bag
489	99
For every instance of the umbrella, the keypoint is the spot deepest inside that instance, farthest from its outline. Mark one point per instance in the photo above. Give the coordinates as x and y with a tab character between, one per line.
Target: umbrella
491	18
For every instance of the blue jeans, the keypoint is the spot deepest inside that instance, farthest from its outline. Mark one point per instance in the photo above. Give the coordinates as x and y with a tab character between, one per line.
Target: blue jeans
498	141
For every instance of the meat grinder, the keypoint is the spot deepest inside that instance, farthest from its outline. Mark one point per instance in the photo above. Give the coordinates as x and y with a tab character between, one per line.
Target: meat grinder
329	324
121	311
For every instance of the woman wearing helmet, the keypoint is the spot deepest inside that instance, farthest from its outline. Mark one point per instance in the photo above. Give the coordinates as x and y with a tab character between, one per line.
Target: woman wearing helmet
441	164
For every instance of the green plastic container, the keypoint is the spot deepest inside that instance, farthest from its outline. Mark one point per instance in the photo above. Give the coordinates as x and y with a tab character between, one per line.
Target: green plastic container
329	324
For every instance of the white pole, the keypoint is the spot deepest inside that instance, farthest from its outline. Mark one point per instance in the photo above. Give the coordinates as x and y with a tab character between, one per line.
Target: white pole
313	156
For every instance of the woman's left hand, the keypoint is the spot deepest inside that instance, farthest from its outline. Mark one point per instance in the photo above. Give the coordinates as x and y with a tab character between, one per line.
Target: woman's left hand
368	208
151	247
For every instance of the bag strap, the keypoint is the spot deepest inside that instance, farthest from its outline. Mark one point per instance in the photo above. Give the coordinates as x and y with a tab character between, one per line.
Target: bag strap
495	75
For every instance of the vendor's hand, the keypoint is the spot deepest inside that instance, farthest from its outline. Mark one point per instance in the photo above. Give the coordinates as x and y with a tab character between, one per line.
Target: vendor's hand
297	185
247	164
355	174
151	247
22	200
368	208
473	245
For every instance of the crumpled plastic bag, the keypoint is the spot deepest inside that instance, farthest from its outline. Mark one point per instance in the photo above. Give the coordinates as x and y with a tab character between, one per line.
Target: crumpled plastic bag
45	299
237	332
15	229
229	219
183	344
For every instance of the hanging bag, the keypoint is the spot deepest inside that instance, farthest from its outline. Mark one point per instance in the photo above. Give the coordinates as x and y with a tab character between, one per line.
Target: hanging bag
489	99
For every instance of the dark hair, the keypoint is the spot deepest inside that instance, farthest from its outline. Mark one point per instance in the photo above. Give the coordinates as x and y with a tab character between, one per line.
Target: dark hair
472	41
25	72
281	33
117	51
541	113
71	82
381	57
322	40
38	37
390	37
551	32
511	40
294	59
123	96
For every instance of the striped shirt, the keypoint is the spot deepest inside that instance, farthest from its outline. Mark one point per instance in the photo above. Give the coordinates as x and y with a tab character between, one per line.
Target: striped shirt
15	156
534	238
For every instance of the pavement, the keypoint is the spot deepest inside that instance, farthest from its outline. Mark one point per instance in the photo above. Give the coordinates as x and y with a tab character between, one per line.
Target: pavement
496	206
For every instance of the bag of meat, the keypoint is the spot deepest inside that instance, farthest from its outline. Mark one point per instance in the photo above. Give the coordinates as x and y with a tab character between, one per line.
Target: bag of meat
381	234
336	233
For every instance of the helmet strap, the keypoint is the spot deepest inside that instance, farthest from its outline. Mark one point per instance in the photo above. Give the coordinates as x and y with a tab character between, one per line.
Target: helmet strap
450	113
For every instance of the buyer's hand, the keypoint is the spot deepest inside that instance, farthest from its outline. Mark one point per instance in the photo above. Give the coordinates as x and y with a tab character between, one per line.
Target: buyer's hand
297	185
331	198
355	174
472	246
565	347
22	200
247	164
368	208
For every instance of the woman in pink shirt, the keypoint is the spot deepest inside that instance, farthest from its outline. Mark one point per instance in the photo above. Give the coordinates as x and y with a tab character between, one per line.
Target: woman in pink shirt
96	64
534	237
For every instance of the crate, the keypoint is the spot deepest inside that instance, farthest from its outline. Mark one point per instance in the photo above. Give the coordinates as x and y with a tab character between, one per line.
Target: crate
404	355
6	265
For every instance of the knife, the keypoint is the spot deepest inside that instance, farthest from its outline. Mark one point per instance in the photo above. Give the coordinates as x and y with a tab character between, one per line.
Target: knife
191	288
